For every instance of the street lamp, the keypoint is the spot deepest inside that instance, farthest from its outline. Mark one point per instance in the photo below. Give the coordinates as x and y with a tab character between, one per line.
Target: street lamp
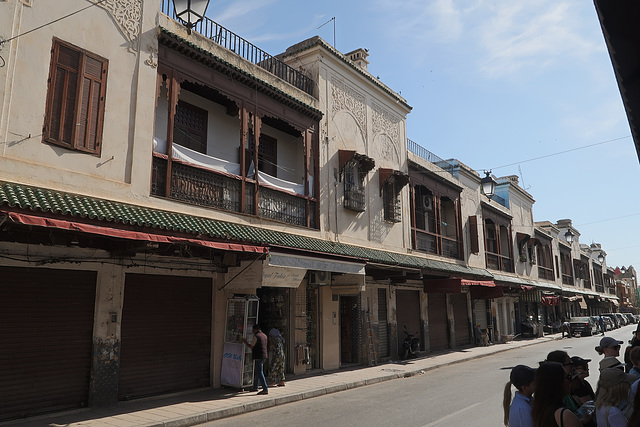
488	185
190	12
623	269
569	236
600	258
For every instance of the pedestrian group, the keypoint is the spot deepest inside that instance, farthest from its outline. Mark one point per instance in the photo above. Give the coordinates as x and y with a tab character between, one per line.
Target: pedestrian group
263	349
556	393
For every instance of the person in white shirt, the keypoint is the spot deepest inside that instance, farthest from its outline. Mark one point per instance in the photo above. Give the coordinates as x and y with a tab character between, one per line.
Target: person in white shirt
612	403
517	413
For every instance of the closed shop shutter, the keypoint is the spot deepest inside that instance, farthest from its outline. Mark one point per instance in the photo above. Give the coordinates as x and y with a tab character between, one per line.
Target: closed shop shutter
480	312
46	339
438	324
461	319
408	313
383	335
166	335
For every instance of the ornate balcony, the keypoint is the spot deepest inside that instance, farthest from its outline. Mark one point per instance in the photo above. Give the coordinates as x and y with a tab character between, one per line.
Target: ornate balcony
210	189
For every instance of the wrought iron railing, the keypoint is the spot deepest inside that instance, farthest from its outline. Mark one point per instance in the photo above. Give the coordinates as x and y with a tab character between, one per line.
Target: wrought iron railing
354	197
429	243
422	152
282	207
246	50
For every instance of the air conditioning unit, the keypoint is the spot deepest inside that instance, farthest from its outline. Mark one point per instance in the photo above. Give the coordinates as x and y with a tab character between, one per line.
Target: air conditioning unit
427	203
320	278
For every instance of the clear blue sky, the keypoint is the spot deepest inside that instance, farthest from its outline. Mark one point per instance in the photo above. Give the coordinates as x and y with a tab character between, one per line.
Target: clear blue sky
491	83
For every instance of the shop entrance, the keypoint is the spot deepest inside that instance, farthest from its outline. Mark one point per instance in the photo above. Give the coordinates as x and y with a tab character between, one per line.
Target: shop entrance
348	329
274	313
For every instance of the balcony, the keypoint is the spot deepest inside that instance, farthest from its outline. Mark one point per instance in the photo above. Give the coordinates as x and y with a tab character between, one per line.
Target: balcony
545	273
207	188
499	262
567	279
246	50
427	155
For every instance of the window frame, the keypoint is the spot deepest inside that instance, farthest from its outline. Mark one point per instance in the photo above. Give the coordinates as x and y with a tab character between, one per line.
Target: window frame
55	99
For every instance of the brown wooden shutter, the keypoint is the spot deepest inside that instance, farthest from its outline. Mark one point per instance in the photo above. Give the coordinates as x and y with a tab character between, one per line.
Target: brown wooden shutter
75	103
473	234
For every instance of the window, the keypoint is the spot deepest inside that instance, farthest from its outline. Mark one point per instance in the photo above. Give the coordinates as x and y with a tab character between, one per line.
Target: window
391	183
75	98
497	241
436	222
354	168
190	127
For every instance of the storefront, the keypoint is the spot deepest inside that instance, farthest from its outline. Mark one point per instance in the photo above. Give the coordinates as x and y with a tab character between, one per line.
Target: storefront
47	321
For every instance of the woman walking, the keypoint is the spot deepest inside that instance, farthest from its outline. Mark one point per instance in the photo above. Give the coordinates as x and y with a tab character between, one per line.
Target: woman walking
552	385
276	368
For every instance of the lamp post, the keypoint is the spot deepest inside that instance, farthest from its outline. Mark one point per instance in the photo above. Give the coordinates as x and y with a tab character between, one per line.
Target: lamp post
488	185
190	12
569	236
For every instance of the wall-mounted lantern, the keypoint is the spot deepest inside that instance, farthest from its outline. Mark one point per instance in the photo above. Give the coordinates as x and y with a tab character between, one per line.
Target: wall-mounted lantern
600	258
488	185
569	236
190	12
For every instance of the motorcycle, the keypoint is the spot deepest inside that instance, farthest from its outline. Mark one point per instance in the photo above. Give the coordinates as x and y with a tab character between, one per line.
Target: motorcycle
410	345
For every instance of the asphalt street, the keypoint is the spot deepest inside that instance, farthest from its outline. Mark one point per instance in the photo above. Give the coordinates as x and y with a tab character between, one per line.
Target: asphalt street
463	394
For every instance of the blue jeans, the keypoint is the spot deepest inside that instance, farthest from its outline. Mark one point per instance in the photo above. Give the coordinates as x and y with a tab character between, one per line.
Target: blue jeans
258	374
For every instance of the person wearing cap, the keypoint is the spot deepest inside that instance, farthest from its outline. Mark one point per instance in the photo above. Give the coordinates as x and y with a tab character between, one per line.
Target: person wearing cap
633	342
580	387
517	413
562	357
612	404
635	359
611	362
609	347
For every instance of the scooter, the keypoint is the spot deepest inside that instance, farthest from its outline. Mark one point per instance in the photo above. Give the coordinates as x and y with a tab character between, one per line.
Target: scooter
410	345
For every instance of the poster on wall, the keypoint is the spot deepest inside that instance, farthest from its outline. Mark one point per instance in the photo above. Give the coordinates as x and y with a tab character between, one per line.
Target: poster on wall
232	364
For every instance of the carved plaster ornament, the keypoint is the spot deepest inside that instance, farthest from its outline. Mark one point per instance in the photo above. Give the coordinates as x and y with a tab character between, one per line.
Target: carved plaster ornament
384	122
152	60
346	98
127	14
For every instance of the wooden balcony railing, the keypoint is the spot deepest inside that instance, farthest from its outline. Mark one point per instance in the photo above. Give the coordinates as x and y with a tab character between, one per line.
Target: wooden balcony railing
545	273
567	279
499	262
207	188
428	242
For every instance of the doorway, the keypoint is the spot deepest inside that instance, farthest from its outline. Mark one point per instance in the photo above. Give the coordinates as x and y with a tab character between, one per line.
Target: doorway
348	329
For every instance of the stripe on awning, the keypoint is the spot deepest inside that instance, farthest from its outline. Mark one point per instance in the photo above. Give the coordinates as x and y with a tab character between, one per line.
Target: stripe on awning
127	234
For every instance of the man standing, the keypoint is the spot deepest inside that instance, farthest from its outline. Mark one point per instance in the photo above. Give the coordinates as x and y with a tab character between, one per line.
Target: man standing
258	348
602	326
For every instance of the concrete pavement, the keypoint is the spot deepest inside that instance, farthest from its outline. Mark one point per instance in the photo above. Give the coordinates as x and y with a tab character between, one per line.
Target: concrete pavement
196	407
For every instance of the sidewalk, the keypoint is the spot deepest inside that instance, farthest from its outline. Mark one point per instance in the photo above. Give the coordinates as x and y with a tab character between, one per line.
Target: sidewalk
198	407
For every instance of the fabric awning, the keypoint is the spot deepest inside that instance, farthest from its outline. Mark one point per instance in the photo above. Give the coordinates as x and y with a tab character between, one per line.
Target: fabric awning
484	292
550	300
279	259
442	286
128	234
454	285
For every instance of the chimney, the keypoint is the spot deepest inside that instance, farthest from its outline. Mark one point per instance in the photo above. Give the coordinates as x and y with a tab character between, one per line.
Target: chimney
359	57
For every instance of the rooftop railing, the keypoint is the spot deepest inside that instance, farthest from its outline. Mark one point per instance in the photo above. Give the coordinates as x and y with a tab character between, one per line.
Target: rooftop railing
246	50
422	152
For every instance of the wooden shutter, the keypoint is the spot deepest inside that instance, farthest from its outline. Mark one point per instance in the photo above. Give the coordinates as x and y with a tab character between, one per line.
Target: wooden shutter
473	234
75	102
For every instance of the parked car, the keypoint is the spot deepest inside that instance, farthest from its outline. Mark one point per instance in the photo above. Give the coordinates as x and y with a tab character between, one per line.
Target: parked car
614	319
623	320
630	318
585	326
608	323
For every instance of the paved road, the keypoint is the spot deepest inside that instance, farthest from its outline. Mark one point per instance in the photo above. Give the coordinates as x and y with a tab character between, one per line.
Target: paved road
465	394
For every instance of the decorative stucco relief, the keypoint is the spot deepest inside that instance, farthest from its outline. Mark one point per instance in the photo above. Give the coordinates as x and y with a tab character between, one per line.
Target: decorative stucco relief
384	122
127	14
346	98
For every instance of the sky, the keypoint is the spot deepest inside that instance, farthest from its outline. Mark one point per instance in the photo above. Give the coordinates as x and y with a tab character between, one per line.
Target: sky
494	84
